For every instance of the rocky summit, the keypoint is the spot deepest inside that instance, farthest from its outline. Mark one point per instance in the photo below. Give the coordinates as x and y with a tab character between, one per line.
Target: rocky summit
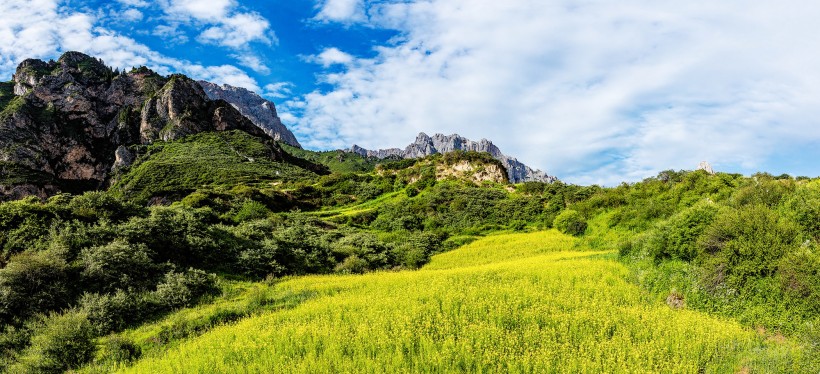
65	124
426	145
260	111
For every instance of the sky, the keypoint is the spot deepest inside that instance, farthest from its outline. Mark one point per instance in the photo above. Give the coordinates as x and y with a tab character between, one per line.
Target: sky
593	92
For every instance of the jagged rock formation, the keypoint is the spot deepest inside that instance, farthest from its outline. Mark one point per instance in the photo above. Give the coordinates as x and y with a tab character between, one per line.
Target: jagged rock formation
426	145
705	166
69	121
260	111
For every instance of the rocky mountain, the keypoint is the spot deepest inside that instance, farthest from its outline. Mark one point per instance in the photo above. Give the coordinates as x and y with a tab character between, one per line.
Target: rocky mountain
439	143
65	124
260	111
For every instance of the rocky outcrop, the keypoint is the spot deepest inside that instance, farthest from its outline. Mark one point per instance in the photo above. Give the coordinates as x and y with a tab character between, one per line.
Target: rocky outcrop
705	166
260	111
426	145
73	119
476	173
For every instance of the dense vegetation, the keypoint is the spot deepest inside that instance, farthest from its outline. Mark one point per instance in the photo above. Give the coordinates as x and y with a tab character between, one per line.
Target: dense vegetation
209	217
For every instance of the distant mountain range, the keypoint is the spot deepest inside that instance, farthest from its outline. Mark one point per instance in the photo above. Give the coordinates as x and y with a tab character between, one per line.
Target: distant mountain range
425	145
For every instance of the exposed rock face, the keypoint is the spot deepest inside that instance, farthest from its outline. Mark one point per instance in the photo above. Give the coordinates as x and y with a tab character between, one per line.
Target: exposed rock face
260	111
72	119
472	172
705	166
425	145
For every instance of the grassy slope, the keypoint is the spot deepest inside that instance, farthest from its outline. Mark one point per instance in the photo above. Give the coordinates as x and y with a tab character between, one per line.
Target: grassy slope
518	302
207	159
337	161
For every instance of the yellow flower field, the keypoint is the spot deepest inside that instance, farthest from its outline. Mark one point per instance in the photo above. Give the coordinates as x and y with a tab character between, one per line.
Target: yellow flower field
523	303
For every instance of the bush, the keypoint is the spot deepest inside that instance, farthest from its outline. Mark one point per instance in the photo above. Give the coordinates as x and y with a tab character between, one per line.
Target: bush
677	237
570	222
118	265
745	243
185	289
179	235
365	247
260	261
62	343
95	205
33	283
110	312
251	210
119	349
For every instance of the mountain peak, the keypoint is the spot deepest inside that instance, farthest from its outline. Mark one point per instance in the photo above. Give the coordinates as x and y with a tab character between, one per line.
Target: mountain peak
425	145
259	110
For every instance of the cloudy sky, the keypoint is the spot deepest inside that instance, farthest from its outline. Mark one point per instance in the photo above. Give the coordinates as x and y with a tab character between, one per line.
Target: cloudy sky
590	91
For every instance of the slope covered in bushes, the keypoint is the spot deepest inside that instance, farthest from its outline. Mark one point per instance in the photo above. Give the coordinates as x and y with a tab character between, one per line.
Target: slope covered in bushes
742	248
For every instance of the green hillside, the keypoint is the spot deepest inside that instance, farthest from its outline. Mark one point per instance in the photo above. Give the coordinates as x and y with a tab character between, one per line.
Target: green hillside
227	244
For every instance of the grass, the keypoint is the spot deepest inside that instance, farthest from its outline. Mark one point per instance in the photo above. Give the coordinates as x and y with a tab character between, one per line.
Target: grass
336	161
535	302
204	160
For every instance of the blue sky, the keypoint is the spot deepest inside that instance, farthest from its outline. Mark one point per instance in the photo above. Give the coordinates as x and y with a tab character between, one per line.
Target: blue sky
591	91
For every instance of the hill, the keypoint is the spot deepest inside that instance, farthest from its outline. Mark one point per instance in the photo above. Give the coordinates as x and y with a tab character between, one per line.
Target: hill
66	124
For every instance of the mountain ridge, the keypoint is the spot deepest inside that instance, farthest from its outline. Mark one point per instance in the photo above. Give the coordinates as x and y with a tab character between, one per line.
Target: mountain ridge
66	124
425	145
260	111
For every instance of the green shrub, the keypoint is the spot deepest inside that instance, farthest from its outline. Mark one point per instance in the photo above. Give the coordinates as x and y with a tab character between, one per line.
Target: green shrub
185	289
95	205
261	260
251	210
570	222
352	265
111	312
799	275
120	350
745	243
119	266
62	343
33	283
366	247
677	237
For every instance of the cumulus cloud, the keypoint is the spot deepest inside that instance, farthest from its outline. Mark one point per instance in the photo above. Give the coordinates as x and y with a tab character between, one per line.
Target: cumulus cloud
593	92
345	11
224	23
131	15
41	29
330	57
278	90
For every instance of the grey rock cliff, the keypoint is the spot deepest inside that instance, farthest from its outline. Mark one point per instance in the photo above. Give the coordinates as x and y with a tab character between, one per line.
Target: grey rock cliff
260	111
439	143
72	120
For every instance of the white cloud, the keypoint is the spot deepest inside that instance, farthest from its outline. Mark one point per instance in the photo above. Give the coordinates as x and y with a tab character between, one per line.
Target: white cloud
592	92
134	3
250	60
278	90
237	31
331	56
43	30
223	22
344	11
211	10
131	15
170	33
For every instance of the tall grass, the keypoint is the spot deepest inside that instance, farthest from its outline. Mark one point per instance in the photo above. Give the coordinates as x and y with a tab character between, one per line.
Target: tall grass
505	303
